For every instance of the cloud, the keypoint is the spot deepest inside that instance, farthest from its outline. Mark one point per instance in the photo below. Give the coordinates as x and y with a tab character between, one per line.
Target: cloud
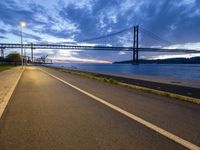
166	56
192	46
68	21
69	56
79	60
186	2
2	31
2	37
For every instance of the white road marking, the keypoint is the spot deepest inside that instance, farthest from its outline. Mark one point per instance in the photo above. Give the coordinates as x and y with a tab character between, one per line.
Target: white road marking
157	129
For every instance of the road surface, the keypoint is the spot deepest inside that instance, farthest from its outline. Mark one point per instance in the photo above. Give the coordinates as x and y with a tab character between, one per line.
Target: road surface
45	113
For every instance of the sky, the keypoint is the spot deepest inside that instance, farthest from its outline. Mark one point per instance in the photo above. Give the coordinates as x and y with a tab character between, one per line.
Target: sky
69	21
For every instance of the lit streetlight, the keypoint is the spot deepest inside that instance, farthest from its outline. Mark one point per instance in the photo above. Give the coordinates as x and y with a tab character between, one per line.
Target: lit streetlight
22	25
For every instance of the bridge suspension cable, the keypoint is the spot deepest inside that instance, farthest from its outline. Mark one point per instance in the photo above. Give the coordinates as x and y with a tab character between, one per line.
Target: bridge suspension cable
155	36
105	36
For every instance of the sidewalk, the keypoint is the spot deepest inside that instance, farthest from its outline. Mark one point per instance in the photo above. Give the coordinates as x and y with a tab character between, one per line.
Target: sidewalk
8	81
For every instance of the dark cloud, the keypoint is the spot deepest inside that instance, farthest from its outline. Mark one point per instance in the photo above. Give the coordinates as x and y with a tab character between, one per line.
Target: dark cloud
26	35
176	21
2	31
171	14
2	37
85	20
11	14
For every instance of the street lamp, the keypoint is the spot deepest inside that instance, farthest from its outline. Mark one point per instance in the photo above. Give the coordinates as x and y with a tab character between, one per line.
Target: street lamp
22	25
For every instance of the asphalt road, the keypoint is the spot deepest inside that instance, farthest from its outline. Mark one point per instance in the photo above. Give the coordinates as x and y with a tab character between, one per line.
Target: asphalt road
45	113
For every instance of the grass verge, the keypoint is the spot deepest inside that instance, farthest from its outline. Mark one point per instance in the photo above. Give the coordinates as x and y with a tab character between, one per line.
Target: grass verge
5	67
130	86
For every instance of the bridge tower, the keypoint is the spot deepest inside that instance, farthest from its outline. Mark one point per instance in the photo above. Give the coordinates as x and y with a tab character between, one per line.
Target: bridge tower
136	44
2	52
32	48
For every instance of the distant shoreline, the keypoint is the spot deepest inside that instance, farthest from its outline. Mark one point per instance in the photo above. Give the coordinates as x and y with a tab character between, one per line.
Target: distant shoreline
193	60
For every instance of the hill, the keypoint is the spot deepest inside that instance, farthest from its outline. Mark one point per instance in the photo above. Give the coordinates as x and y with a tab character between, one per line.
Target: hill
193	60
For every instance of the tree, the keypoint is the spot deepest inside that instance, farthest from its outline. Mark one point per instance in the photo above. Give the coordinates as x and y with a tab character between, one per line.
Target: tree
14	58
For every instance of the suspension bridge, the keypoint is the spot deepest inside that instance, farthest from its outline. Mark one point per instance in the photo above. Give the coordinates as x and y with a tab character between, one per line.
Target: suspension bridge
130	43
54	109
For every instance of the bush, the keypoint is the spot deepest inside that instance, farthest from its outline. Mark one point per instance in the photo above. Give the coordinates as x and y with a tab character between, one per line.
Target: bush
14	58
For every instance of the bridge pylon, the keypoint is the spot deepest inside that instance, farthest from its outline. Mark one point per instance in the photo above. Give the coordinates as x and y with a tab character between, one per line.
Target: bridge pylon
32	48
2	52
136	44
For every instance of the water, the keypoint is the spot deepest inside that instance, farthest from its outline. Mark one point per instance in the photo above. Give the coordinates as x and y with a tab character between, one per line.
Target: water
173	71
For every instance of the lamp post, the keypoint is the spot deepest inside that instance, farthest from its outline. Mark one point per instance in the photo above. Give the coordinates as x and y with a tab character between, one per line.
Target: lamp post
22	25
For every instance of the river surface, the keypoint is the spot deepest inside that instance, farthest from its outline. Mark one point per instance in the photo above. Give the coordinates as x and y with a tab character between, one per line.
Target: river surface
173	71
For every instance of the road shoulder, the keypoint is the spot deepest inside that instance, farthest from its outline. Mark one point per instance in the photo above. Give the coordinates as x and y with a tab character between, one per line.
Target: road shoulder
161	89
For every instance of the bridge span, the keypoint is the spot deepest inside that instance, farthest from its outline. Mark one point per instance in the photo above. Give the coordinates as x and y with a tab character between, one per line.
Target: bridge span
135	48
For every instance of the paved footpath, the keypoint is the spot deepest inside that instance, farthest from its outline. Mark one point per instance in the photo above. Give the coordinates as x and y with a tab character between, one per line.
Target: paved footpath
44	113
8	81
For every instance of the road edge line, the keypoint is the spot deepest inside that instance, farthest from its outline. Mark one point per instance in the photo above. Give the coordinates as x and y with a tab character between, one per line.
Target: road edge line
6	99
149	125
